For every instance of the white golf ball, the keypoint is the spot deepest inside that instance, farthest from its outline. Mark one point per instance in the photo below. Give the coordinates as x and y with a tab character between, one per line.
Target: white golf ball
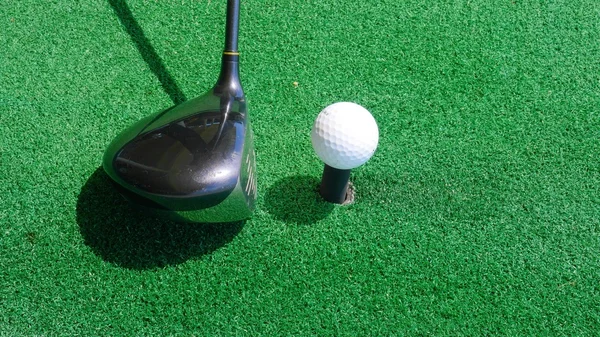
345	135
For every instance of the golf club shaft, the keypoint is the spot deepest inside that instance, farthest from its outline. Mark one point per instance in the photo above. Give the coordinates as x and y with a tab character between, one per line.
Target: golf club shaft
231	30
228	84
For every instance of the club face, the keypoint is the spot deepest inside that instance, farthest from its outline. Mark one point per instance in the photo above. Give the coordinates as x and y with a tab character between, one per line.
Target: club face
194	162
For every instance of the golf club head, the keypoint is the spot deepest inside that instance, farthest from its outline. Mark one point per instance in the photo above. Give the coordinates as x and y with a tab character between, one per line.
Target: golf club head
194	162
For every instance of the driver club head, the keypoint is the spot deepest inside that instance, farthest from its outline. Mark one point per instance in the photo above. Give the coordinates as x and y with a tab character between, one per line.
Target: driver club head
194	162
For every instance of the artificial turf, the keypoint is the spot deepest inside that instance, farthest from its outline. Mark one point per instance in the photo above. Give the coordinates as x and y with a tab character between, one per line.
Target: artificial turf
478	215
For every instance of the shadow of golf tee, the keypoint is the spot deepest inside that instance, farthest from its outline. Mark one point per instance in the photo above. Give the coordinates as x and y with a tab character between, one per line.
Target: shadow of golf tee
124	236
296	200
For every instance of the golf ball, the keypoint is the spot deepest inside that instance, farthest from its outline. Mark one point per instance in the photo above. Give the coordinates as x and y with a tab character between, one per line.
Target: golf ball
345	135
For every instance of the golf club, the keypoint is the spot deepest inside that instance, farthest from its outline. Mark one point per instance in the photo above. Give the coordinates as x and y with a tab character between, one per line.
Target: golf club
193	162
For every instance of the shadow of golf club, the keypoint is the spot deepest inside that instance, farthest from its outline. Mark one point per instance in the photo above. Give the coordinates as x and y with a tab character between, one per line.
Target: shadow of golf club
296	200
124	236
147	51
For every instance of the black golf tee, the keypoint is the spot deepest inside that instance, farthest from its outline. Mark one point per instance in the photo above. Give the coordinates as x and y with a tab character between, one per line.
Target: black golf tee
334	184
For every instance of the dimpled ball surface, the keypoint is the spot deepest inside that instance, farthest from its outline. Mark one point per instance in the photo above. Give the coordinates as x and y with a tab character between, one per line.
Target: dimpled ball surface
345	135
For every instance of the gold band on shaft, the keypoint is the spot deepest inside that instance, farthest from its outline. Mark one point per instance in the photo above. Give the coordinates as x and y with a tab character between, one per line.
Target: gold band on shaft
232	53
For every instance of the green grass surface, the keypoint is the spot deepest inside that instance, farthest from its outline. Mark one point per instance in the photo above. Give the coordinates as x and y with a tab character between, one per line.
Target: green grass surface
478	215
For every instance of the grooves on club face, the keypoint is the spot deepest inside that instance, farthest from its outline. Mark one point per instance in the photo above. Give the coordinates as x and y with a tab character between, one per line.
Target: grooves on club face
193	162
